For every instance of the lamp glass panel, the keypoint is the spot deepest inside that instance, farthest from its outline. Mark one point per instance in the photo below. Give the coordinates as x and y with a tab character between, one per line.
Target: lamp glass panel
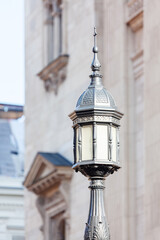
102	142
77	152
114	144
87	142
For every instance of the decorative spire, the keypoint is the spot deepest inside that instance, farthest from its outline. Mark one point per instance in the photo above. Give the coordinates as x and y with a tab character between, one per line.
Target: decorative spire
95	64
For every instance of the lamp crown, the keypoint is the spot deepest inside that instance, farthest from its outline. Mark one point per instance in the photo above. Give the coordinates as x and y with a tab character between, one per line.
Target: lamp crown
96	97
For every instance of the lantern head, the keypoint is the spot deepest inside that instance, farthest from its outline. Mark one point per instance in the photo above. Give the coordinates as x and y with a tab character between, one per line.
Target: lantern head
96	122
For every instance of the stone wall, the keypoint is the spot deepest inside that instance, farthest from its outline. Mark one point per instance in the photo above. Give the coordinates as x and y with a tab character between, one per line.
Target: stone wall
131	74
151	118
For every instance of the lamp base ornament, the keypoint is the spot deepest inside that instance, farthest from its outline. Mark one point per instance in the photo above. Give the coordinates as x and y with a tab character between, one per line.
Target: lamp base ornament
97	227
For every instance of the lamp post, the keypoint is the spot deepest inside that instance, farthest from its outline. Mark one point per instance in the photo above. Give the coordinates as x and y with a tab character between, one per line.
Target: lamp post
96	122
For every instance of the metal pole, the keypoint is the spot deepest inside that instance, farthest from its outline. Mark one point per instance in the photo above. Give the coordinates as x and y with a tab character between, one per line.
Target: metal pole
97	227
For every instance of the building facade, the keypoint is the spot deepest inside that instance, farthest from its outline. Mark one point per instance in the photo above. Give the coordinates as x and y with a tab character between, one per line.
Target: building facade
58	55
11	172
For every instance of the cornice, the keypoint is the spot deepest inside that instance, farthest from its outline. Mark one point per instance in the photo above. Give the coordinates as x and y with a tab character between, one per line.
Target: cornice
50	182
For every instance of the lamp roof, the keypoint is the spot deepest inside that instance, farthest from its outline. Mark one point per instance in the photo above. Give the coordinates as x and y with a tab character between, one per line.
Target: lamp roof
95	96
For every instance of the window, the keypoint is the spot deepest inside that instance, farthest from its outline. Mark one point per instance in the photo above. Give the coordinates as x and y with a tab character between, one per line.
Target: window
53	24
55	45
57	227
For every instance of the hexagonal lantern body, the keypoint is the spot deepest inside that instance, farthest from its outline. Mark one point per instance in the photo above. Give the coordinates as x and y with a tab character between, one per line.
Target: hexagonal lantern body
96	122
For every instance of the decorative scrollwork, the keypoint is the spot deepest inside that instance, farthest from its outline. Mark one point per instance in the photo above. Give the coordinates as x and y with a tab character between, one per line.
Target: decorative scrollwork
100	232
88	234
96	118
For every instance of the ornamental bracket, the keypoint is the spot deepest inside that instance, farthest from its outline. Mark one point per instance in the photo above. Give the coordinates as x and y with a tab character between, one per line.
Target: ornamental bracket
54	73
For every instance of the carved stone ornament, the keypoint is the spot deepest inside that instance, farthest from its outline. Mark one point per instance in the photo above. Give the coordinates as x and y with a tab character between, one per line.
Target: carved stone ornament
134	14
54	73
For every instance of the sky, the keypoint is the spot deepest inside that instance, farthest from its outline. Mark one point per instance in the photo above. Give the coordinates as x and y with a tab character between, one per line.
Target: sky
12	72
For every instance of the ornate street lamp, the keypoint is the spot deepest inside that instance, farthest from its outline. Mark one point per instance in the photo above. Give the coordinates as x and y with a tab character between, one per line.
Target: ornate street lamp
96	122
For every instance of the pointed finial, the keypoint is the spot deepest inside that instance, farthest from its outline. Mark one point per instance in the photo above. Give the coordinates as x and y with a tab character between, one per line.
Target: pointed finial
95	34
95	64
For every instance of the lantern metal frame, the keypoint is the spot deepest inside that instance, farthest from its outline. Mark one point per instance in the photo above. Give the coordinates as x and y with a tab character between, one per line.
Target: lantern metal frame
94	118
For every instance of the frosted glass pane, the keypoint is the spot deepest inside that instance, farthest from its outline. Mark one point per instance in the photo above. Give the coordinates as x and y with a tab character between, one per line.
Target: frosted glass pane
114	144
77	153
102	142
87	143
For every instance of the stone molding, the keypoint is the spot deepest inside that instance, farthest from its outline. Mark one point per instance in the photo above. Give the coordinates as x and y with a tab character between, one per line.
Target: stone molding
57	212
53	4
138	68
49	208
134	19
134	14
54	73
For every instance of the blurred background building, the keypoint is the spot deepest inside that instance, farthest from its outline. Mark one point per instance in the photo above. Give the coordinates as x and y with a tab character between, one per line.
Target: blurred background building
11	172
58	58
